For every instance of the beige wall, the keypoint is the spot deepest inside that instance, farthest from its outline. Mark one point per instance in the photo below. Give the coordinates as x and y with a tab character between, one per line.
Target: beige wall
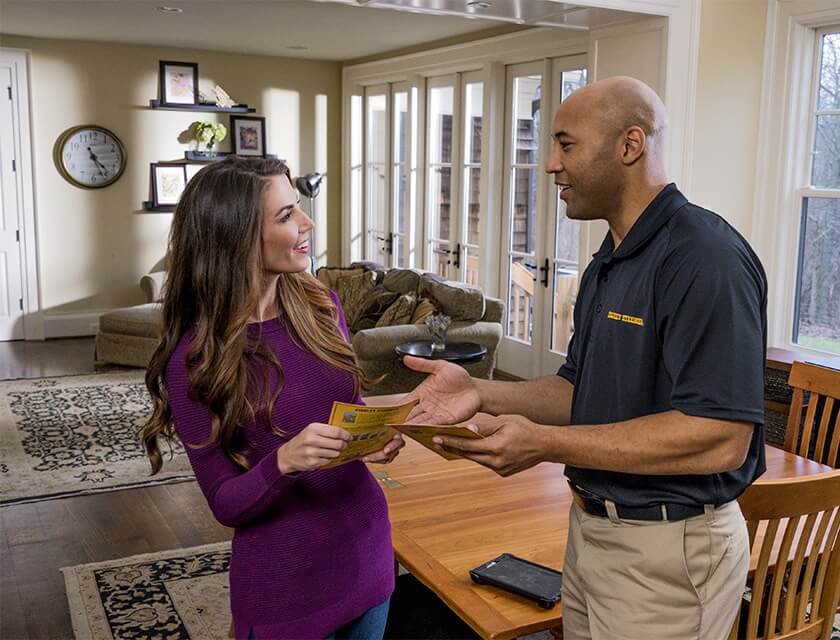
94	245
727	108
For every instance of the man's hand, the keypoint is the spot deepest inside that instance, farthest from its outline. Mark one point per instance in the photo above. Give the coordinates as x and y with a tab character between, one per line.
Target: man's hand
388	452
510	444
448	396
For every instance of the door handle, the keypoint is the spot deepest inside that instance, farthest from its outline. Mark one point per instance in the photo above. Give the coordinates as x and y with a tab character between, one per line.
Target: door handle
389	243
544	269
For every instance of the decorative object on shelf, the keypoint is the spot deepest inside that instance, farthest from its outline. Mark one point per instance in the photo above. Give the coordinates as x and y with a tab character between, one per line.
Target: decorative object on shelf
248	135
223	100
310	186
178	83
438	325
168	182
89	156
208	134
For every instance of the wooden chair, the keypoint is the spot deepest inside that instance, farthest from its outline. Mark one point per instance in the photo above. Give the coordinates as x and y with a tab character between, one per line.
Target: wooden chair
798	521
820	430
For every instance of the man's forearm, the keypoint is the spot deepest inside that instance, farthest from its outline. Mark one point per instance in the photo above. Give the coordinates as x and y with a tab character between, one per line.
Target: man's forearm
666	443
547	400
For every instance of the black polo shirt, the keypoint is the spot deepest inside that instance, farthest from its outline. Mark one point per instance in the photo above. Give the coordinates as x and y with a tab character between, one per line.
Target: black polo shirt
675	318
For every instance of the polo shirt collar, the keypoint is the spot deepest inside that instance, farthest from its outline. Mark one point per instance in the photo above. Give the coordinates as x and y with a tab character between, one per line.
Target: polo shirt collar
653	218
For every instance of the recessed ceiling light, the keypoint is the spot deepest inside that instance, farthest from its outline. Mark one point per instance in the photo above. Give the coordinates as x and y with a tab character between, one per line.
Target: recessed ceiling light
170	9
479	4
298	47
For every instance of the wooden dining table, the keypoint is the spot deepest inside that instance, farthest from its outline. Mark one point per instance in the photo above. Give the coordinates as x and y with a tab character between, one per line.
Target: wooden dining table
449	516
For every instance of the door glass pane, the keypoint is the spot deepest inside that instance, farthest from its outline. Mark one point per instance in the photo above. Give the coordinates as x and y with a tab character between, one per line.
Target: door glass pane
356	174
829	92
442	260
472	177
524	210
826	166
526	109
377	174
520	299
440	193
399	185
473	106
440	125
472	271
817	322
571	81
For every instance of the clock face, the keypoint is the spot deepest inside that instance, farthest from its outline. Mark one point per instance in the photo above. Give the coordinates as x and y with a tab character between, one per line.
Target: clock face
89	156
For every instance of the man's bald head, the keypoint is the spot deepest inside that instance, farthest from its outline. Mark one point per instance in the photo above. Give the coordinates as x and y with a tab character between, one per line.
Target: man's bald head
619	103
608	144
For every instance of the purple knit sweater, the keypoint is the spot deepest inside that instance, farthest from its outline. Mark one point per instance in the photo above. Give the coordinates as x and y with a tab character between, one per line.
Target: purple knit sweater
311	552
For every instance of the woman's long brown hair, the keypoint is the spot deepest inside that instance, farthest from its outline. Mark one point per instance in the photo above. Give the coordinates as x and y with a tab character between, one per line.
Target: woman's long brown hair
212	288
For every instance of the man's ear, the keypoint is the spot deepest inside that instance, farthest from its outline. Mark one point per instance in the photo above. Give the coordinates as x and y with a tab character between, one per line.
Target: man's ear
633	145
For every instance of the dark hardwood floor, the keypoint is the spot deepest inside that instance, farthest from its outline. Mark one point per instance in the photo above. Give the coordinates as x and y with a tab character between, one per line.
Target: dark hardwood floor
37	539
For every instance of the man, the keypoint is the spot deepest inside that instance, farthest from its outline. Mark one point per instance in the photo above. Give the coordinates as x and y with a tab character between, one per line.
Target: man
663	387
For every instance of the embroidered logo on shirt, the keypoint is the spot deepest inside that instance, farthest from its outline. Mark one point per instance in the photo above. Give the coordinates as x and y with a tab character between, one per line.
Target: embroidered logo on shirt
623	317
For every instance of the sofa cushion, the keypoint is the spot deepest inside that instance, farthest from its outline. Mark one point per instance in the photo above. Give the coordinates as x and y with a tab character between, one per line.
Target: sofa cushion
372	307
399	312
423	310
329	275
142	321
352	291
458	300
402	280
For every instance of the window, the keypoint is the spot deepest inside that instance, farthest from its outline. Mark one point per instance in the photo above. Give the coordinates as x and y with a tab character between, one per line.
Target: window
816	322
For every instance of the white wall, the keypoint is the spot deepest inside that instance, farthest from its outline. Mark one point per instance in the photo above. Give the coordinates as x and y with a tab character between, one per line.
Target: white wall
95	245
727	108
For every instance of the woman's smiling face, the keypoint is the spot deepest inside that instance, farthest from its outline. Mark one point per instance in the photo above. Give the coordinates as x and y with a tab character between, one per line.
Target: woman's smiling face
285	229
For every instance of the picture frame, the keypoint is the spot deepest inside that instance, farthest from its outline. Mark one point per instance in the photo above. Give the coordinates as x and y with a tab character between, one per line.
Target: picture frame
168	182
248	135
190	169
178	82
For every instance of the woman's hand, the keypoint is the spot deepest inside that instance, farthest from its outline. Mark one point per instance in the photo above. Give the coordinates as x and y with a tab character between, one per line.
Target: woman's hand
388	452
312	448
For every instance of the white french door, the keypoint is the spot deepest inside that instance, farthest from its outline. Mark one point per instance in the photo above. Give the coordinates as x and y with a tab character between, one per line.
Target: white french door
542	249
11	272
390	143
454	115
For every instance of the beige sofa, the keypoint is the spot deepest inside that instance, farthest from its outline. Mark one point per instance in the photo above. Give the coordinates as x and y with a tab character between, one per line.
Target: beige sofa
384	308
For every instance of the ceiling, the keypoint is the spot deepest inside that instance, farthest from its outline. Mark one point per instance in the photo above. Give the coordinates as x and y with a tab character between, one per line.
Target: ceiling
315	29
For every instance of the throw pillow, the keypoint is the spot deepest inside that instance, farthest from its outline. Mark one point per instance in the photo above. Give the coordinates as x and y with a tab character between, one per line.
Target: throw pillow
423	310
399	312
372	307
352	292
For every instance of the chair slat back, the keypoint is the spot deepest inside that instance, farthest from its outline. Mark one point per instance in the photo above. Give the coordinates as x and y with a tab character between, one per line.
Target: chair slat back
793	528
817	436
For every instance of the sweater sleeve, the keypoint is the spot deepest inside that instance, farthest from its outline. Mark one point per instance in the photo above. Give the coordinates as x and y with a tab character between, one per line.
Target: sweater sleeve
236	496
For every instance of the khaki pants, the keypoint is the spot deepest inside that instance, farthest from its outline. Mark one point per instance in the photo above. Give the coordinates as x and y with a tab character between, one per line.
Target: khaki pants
635	580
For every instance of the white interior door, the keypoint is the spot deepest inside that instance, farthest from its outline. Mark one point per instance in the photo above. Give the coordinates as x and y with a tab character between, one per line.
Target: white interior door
379	240
11	273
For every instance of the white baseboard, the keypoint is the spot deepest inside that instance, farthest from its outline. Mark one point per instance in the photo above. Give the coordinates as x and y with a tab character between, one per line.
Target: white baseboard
68	325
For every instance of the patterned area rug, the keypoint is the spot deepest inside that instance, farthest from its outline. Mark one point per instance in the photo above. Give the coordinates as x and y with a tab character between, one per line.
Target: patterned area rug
66	436
174	594
184	594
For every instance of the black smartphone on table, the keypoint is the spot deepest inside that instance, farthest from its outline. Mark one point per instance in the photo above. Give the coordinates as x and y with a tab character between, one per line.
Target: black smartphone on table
534	581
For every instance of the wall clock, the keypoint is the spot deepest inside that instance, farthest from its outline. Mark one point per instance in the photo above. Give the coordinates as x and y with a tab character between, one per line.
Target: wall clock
89	156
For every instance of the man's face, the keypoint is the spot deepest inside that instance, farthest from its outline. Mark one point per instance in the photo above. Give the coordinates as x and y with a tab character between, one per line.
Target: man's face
585	161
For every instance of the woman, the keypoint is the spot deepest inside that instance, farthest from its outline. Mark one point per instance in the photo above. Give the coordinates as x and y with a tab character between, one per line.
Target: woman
253	354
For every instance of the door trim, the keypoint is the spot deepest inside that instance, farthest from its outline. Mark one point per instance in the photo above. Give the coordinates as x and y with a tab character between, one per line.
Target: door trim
19	62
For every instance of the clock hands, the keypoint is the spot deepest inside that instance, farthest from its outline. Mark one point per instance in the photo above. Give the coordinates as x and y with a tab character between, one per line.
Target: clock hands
102	169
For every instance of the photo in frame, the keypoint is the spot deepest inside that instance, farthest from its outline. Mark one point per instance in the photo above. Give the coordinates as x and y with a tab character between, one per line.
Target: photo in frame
178	82
168	182
247	135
